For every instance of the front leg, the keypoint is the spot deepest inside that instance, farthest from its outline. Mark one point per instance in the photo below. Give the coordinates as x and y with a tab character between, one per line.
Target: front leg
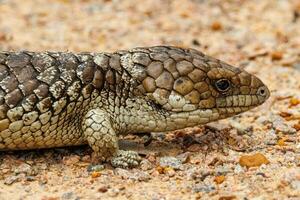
101	136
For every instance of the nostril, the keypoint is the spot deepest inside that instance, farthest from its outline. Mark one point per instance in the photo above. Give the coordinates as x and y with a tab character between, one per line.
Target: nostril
262	91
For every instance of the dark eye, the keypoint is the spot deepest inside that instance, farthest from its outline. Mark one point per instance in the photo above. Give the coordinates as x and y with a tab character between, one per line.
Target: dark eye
262	92
222	85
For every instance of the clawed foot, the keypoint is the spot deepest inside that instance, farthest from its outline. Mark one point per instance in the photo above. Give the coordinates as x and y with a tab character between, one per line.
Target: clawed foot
126	159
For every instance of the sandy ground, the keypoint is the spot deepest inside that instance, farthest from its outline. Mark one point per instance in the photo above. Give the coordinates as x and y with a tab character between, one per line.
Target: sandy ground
207	162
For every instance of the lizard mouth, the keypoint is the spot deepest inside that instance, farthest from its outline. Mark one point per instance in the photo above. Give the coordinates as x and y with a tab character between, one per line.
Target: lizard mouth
203	116
241	101
237	103
233	105
244	102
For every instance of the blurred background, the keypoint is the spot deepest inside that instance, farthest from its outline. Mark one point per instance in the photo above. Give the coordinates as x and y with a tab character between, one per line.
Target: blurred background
233	30
262	36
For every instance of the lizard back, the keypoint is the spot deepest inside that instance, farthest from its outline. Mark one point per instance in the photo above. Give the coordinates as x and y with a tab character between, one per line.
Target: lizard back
45	96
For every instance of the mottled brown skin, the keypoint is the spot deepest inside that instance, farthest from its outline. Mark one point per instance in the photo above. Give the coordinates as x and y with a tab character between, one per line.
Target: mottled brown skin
60	99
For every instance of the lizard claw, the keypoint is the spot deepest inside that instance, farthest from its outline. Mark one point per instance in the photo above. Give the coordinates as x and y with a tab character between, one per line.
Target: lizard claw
126	159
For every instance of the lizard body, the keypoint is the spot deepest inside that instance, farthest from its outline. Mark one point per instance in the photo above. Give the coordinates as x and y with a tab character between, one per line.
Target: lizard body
52	99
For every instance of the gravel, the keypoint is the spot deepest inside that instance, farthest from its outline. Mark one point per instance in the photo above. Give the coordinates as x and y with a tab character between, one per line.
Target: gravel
201	162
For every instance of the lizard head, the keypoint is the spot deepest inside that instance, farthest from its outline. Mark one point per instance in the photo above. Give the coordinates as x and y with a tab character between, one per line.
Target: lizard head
185	82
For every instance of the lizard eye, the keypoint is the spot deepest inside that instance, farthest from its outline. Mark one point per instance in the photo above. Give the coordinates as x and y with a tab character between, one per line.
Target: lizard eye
222	85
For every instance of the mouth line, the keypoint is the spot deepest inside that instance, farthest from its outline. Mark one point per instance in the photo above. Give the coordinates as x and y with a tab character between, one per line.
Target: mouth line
250	106
216	108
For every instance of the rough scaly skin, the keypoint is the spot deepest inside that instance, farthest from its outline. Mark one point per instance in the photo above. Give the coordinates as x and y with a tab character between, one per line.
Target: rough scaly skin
61	99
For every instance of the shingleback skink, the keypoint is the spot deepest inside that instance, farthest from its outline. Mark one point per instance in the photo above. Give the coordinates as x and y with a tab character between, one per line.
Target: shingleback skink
50	99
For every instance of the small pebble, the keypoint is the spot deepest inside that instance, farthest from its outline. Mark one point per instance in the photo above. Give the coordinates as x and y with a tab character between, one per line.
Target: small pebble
198	174
67	195
96	174
216	26
25	169
146	165
219	179
222	169
270	137
95	168
30	178
103	189
296	185
238	169
203	188
11	179
231	197
279	125
169	161
169	171
136	175
71	160
184	157
254	160
276	55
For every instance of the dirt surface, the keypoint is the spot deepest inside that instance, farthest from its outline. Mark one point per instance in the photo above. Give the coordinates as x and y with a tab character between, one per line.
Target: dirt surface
207	162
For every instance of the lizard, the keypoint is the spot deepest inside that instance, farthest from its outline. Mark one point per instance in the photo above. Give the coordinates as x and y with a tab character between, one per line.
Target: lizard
56	99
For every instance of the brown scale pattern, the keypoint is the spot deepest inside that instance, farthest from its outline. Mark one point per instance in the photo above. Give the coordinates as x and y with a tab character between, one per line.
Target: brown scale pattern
191	74
52	99
42	94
